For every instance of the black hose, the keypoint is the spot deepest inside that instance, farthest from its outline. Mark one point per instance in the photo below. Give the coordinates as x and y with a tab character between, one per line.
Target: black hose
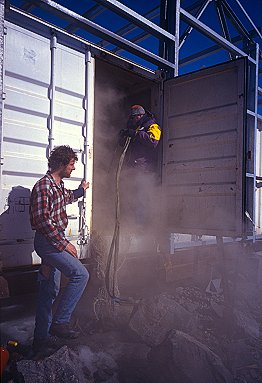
111	285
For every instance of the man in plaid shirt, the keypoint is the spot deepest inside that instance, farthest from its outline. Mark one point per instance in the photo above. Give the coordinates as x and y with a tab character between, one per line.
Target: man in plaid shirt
49	220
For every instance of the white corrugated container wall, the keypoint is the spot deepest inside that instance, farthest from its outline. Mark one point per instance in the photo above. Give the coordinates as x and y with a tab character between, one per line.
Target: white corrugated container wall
46	105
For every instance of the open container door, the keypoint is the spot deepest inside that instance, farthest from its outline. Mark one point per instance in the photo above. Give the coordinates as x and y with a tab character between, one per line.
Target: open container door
203	151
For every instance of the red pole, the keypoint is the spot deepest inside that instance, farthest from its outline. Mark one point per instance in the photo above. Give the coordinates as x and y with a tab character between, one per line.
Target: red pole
4	357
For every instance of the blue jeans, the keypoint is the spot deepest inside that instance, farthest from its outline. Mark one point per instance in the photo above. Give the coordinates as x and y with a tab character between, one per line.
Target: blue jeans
49	285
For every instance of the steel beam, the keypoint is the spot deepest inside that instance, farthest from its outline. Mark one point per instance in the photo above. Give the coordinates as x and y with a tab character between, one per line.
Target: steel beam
209	51
151	15
204	29
163	24
34	24
133	48
177	26
136	18
105	33
257	203
170	21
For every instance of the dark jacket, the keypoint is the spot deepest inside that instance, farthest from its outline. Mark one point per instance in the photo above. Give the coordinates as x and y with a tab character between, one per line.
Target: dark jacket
142	151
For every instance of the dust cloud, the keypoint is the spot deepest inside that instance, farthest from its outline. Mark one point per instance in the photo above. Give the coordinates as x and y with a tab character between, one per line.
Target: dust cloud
204	300
109	120
139	191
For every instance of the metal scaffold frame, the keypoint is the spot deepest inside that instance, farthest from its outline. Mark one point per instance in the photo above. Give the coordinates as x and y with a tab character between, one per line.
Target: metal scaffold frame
167	32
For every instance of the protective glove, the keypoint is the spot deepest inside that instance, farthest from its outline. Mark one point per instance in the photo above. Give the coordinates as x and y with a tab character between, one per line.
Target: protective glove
131	133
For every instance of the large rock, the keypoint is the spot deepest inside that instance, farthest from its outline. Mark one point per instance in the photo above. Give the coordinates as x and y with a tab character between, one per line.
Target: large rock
59	367
183	359
156	316
64	366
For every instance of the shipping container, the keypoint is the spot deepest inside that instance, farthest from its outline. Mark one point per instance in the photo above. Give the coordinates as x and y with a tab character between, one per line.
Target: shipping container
58	90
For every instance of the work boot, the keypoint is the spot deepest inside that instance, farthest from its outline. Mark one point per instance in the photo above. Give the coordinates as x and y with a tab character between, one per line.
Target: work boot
63	330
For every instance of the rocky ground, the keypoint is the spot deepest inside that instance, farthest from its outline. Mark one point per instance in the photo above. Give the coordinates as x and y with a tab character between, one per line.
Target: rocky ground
181	334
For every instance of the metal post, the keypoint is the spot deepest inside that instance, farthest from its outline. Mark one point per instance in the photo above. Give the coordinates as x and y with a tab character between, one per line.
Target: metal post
251	138
51	94
256	202
163	24
88	106
177	24
252	132
170	20
259	171
2	94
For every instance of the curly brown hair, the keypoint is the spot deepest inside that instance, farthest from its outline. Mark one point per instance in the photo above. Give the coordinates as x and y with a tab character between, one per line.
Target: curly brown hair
61	155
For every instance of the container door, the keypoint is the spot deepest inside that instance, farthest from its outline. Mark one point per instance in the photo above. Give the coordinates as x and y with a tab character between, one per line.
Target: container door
45	106
203	151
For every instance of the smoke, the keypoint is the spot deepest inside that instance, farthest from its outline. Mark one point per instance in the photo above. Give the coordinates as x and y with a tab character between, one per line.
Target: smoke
109	120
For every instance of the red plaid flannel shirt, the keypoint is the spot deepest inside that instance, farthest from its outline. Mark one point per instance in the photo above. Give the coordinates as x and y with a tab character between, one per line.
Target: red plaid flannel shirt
48	210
